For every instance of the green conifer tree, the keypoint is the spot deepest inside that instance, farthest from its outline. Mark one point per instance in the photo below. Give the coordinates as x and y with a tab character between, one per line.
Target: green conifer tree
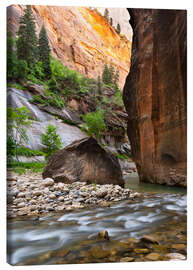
10	56
44	52
99	85
111	73
27	41
105	75
118	28
106	14
111	21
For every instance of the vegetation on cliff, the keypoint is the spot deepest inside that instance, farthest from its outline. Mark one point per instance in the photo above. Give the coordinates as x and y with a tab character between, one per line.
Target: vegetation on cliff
97	102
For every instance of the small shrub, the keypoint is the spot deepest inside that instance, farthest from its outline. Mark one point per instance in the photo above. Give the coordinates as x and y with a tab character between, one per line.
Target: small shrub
117	99
121	156
52	84
95	123
20	170
24	151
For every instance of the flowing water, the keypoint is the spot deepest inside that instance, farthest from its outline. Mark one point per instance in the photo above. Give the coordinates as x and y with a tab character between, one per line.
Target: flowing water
72	237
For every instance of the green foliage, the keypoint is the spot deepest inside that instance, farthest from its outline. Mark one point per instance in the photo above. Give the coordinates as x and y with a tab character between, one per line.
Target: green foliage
36	74
44	52
95	123
11	147
82	91
11	57
16	85
52	99
27	41
109	76
105	75
23	166
52	84
27	152
17	120
99	85
118	99
19	170
51	140
121	156
22	69
59	71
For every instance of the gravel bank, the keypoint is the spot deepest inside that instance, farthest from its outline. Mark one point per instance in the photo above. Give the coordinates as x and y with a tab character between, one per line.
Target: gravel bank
30	195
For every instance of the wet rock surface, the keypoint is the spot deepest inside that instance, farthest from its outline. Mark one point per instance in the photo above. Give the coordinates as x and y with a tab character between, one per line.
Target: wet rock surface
84	161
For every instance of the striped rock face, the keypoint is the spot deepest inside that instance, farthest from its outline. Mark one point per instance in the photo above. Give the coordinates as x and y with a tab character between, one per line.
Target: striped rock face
155	95
81	37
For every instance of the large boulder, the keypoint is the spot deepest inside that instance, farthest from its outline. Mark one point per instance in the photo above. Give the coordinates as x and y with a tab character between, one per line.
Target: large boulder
84	161
155	95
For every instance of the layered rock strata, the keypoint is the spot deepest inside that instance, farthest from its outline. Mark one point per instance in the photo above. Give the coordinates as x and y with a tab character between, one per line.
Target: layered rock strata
80	37
155	95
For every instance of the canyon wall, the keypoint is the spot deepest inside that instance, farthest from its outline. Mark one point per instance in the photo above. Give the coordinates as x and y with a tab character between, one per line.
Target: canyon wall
81	37
155	95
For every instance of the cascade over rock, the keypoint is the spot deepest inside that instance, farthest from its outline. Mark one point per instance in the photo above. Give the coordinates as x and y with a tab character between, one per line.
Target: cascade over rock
155	95
84	161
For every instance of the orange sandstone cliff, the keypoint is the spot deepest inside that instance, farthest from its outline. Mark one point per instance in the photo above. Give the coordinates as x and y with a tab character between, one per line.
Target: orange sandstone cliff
80	37
155	95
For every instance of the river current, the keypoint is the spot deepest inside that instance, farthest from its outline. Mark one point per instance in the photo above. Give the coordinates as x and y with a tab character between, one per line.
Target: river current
39	241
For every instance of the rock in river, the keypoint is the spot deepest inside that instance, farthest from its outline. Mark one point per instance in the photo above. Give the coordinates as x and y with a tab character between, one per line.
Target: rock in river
84	161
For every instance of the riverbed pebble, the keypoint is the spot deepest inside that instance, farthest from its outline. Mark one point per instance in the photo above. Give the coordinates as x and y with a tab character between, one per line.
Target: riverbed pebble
42	196
48	182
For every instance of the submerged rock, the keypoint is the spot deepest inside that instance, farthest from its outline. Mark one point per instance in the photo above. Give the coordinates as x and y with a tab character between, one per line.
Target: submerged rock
104	235
149	239
84	161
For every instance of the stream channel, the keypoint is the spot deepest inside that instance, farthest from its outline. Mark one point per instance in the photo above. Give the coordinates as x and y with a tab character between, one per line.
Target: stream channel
72	237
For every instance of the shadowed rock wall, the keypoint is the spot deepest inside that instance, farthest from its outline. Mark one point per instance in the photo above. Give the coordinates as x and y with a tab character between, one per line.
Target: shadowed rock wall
155	95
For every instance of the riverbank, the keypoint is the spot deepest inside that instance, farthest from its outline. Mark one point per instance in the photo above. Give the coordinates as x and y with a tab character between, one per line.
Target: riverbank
30	195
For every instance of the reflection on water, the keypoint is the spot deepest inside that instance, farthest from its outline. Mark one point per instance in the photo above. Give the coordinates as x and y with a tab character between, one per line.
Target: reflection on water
132	182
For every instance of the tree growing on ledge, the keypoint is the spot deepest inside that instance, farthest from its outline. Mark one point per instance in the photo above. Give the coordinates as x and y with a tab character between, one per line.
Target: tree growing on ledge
106	75
111	21
118	29
44	52
106	14
27	41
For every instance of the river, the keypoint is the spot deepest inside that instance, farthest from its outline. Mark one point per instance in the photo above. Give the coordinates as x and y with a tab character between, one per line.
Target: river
72	237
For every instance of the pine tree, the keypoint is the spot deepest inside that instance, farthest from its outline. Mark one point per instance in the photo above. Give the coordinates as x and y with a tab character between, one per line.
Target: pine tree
44	52
10	56
99	85
111	21
27	41
118	28
111	73
51	141
105	75
106	14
